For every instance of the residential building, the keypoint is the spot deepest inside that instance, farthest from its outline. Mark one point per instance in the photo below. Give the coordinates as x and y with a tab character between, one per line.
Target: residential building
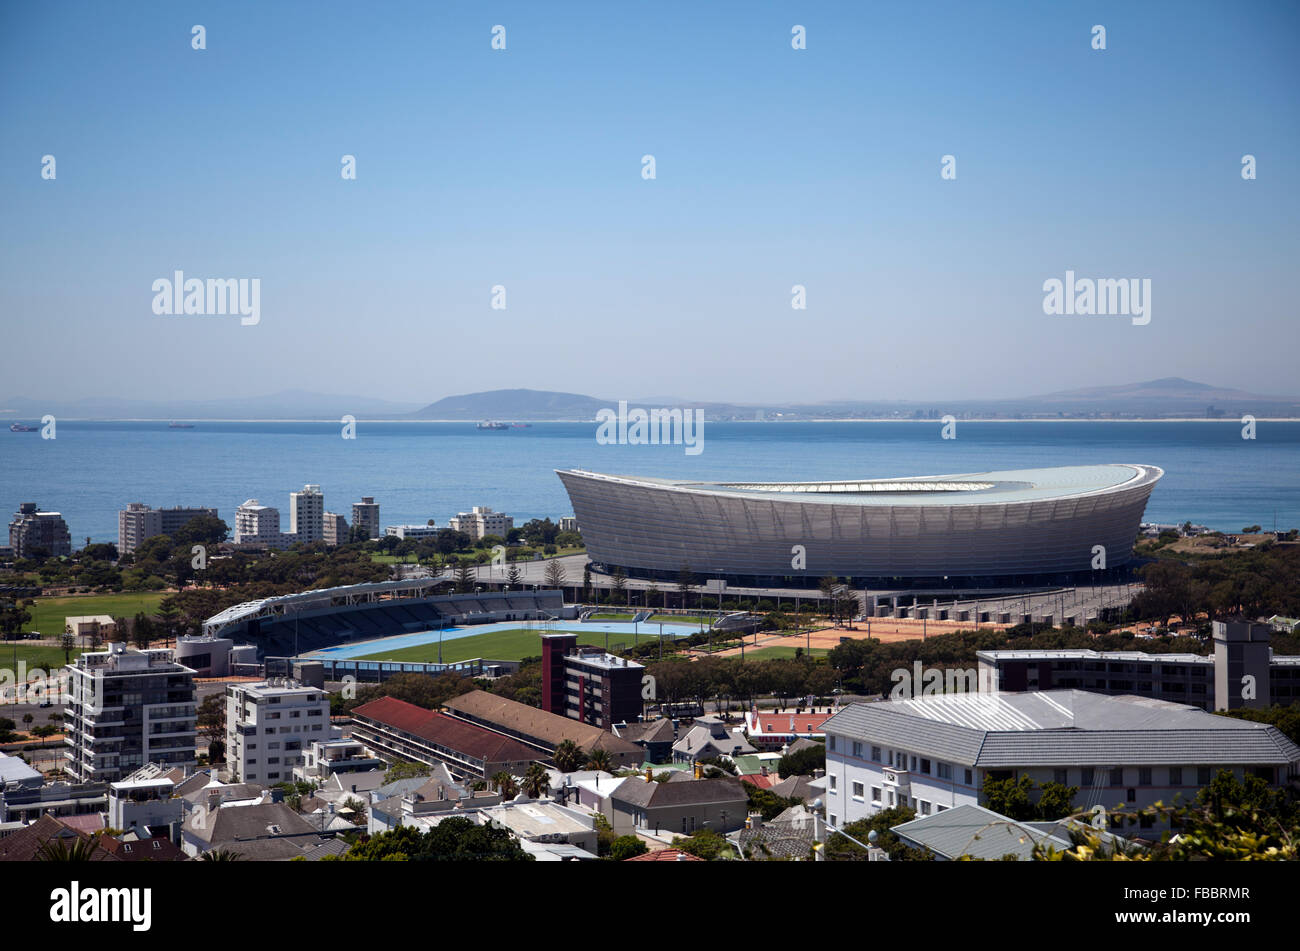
481	521
709	737
127	708
655	736
32	529
334	529
768	731
138	522
395	729
268	727
677	807
587	684
146	805
413	531
259	524
539	729
934	753
545	823
365	514
323	758
261	831
90	626
27	802
791	835
307	514
568	524
1211	682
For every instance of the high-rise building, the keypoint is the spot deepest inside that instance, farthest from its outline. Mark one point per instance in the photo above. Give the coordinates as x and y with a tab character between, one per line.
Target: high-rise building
138	522
32	529
334	529
365	514
481	522
587	684
259	524
126	708
269	725
307	514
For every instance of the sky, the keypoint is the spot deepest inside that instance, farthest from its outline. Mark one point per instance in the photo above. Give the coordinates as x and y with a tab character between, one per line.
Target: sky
523	167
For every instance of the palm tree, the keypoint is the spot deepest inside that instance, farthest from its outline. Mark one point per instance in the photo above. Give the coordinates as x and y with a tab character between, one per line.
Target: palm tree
537	782
568	757
505	784
82	849
222	855
599	759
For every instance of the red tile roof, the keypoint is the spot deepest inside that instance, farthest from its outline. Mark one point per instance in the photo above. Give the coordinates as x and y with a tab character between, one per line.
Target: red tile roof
473	741
666	855
780	722
759	780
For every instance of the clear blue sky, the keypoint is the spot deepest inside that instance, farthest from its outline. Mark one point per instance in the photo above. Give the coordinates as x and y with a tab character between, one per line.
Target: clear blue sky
523	168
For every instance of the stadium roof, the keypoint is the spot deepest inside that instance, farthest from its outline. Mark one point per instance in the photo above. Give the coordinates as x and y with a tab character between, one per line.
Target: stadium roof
1062	728
979	488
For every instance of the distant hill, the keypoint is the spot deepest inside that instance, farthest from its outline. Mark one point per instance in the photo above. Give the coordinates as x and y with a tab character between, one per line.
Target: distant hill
514	404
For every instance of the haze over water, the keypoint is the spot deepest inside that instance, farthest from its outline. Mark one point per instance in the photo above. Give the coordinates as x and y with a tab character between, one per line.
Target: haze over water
422	470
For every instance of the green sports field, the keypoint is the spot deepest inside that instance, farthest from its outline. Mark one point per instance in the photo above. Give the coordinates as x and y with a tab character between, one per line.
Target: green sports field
498	645
781	653
48	613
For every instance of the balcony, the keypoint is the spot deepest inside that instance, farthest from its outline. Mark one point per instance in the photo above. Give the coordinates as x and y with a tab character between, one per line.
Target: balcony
899	779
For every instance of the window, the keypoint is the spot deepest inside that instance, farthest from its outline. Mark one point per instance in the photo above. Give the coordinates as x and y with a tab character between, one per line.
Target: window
857	749
1144	776
945	770
1089	776
1175	775
830	741
1117	776
1132	795
970	778
875	795
1061	776
875	753
924	807
925	766
858	790
831	784
835	820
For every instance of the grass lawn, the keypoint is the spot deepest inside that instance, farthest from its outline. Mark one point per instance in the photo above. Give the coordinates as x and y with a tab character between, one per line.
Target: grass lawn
612	617
781	653
498	645
679	619
48	613
44	658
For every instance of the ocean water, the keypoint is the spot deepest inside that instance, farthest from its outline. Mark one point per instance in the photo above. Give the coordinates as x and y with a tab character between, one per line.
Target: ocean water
423	470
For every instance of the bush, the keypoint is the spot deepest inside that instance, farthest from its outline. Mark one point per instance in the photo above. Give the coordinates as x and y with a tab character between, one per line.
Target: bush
626	847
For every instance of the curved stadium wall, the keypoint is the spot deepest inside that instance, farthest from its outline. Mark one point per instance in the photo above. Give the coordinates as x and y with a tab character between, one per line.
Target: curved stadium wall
980	525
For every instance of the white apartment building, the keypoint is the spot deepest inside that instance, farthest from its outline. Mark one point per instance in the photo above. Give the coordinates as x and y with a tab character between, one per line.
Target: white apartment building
307	514
126	708
568	523
482	521
413	531
138	522
269	725
259	524
334	529
366	514
932	753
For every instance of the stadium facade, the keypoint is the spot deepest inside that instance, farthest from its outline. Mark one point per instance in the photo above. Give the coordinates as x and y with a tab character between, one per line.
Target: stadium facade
988	525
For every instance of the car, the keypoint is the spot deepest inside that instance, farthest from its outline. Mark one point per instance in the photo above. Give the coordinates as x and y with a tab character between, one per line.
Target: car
46	703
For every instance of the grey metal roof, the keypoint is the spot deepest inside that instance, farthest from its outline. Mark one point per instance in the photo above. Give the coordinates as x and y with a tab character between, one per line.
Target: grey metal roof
1061	728
977	488
977	832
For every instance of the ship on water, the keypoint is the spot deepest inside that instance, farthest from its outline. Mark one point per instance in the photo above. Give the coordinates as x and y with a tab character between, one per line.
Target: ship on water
180	425
20	428
491	424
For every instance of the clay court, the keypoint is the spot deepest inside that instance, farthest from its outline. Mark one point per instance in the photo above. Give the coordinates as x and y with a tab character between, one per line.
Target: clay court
886	630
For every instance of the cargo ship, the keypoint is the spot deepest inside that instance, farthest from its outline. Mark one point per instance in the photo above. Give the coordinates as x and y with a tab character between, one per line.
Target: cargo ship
180	425
489	424
20	428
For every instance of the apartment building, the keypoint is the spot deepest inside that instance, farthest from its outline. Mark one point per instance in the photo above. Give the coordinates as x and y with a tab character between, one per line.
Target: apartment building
365	514
259	524
307	514
138	522
334	529
481	521
31	529
126	708
412	531
933	753
587	684
269	725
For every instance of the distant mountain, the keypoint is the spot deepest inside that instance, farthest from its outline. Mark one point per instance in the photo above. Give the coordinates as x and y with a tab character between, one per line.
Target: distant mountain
287	404
514	404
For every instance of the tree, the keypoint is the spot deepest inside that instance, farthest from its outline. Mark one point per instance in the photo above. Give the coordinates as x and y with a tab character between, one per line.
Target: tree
1056	801
464	577
67	642
685	583
626	847
599	759
12	618
802	762
514	577
142	630
402	769
358	816
169	615
1010	797
619	582
568	757
555	576
586	582
456	839
222	855
505	784
703	843
211	721
81	849
537	782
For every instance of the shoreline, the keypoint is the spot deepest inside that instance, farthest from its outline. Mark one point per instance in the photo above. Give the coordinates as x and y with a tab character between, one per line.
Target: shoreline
863	419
